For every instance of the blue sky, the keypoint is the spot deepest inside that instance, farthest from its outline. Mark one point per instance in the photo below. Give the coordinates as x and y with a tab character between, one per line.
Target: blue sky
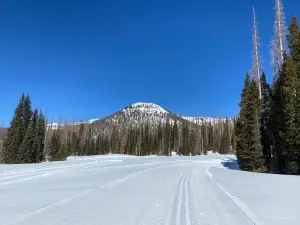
87	59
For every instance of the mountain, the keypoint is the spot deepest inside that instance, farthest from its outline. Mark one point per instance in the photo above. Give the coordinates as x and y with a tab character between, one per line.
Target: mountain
139	113
142	112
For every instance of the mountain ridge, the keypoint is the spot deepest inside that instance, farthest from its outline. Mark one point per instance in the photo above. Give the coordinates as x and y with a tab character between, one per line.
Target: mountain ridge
145	112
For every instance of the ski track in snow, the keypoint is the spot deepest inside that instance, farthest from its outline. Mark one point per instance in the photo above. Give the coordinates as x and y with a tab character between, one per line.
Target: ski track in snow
132	191
248	213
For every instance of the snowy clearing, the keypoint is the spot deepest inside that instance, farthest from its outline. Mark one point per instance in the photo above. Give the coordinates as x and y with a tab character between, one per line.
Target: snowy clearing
117	189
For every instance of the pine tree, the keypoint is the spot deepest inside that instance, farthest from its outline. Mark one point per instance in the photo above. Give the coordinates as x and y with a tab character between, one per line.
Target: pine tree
226	146
28	150
288	157
294	45
174	136
166	144
40	137
58	151
265	121
233	138
79	144
242	143
185	146
192	142
13	137
257	160
26	115
278	150
74	140
212	144
87	145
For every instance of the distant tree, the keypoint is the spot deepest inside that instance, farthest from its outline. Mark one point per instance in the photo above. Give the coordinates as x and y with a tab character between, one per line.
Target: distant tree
226	145
40	137
212	142
58	151
174	137
185	146
166	135
79	144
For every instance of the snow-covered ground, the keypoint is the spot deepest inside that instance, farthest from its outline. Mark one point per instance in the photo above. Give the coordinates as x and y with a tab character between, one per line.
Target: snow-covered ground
125	190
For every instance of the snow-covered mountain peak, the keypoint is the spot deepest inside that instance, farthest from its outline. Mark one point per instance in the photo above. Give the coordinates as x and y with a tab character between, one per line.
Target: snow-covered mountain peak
148	108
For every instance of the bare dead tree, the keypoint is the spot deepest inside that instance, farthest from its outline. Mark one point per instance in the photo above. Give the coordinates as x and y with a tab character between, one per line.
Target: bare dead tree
256	65
278	43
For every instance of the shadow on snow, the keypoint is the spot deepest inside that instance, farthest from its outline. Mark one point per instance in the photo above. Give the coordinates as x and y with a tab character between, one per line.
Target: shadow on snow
231	164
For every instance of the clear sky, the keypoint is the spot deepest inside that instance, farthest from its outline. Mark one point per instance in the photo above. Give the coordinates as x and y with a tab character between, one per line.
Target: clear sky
87	59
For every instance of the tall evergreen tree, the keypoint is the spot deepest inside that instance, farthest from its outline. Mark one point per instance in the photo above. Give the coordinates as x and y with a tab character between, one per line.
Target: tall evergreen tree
253	113
212	142
265	121
28	150
294	45
79	144
40	137
14	136
249	149
166	144
185	146
58	151
226	146
174	137
288	154
26	115
242	143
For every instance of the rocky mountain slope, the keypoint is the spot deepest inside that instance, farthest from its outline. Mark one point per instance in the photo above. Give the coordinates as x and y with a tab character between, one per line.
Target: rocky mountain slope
139	113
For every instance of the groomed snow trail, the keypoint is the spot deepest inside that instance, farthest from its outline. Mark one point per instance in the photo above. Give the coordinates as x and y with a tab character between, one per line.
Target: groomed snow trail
119	191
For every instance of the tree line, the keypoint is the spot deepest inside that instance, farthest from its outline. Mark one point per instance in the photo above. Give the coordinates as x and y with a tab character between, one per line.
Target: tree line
29	139
172	137
24	141
267	129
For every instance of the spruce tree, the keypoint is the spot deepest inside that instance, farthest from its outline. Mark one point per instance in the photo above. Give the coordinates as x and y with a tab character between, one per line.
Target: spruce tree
294	45
174	136
58	151
242	143
212	144
226	146
40	137
166	146
28	150
288	154
14	136
233	138
265	120
26	115
255	147
79	144
185	139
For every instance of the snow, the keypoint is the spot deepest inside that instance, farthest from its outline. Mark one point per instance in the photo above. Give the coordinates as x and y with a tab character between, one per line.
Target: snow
203	120
121	189
92	120
54	126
